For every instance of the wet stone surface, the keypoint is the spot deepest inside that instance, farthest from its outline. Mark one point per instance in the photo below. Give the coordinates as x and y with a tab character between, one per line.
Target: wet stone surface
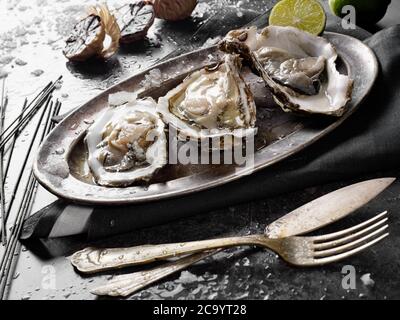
32	35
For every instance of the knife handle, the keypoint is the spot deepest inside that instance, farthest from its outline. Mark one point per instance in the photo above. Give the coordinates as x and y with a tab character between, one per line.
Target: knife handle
91	260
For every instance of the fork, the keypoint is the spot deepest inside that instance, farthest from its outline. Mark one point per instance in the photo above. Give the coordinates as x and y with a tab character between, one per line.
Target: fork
298	251
366	233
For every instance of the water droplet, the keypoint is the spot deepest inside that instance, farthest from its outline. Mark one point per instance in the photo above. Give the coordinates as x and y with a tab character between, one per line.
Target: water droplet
37	73
60	151
20	62
88	121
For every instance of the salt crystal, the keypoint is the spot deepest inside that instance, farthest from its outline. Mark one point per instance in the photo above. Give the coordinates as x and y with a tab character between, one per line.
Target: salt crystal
119	98
152	79
367	281
187	277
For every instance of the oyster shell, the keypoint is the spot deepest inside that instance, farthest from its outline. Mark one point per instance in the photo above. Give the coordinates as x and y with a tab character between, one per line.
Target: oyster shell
127	144
298	67
212	102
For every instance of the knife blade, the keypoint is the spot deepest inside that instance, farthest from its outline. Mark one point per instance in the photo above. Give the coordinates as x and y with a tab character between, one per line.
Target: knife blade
327	209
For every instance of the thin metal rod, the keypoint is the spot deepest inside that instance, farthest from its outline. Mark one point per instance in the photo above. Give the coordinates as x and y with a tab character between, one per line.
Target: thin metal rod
3	229
12	146
8	256
55	113
23	211
21	172
6	137
40	94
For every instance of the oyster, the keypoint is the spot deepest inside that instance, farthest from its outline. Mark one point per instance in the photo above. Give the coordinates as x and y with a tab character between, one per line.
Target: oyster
298	67
127	144
210	103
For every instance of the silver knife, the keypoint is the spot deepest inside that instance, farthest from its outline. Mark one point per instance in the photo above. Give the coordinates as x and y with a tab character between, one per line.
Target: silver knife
327	209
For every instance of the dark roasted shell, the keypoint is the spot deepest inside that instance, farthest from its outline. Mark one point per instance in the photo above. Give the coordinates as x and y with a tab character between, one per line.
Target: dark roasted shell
134	20
86	39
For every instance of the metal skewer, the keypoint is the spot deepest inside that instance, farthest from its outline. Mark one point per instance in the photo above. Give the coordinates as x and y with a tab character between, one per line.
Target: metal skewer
10	131
12	146
20	174
7	265
2	193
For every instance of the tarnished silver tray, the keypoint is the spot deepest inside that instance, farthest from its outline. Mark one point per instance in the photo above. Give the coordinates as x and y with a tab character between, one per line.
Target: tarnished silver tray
60	164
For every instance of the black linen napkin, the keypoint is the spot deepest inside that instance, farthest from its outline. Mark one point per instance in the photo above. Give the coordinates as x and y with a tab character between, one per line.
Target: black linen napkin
368	142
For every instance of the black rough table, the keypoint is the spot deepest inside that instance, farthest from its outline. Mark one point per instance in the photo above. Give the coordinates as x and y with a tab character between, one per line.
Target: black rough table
31	36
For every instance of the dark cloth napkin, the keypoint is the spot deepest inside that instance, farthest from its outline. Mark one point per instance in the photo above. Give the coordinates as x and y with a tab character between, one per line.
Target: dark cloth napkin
368	142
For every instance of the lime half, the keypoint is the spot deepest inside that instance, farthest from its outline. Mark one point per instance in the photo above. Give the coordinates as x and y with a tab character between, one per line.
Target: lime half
307	15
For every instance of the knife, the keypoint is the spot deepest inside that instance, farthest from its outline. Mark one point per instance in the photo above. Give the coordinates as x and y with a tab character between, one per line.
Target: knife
316	214
327	209
309	217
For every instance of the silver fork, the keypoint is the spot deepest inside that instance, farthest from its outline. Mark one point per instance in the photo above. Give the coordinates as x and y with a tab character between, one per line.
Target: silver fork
298	251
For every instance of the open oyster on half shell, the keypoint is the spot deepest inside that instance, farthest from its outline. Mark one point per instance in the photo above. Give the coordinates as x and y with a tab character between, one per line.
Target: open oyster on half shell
213	102
298	67
127	144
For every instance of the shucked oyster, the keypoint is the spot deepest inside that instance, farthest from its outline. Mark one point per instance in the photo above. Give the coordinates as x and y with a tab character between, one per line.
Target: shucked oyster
212	102
298	67
127	144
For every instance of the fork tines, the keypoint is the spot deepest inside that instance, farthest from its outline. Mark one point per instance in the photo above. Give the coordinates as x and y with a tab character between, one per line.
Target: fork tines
339	245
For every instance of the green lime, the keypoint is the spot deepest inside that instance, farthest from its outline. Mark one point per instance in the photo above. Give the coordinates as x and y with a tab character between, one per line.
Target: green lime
367	11
307	15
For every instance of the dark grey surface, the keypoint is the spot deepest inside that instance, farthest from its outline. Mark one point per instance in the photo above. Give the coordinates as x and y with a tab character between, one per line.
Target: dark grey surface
237	273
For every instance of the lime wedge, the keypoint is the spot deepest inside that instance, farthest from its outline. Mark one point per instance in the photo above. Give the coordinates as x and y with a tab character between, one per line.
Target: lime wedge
307	15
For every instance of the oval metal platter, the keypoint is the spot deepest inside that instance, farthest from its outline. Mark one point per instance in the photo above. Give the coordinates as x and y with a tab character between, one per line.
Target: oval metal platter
60	165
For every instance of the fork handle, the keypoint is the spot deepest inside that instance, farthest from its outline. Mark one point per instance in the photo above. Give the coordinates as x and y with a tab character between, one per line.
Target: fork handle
91	260
127	284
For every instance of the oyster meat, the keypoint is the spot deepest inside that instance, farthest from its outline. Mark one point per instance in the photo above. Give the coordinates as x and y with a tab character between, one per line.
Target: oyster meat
298	67
212	102
127	144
